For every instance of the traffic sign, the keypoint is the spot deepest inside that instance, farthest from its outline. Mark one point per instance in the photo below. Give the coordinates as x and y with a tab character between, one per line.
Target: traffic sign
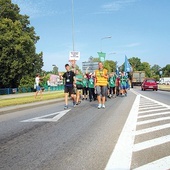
74	55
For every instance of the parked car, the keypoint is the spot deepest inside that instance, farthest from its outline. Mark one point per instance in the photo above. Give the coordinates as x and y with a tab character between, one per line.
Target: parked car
149	83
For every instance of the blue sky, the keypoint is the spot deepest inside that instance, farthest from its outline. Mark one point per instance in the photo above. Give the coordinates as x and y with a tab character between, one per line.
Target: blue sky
139	28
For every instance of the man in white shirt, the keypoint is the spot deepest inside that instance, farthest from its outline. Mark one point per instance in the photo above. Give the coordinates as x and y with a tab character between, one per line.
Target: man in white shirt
38	88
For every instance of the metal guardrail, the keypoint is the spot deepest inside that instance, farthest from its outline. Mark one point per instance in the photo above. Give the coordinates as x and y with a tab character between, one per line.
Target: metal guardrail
6	91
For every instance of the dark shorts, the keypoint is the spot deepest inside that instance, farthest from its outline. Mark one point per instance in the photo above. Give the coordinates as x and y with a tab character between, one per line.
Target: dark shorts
69	89
79	86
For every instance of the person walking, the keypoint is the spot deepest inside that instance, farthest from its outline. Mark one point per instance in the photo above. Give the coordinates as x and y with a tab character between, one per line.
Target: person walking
123	80
92	94
69	84
85	87
112	84
79	86
117	85
38	88
101	80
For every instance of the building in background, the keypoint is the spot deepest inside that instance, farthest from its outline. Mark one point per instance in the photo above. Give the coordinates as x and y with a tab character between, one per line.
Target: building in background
55	80
92	66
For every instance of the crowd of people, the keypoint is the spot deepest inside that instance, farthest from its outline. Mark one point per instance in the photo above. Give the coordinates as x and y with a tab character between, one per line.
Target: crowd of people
93	86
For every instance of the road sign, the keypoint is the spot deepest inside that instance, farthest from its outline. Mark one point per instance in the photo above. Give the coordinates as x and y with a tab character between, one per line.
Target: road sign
74	55
101	56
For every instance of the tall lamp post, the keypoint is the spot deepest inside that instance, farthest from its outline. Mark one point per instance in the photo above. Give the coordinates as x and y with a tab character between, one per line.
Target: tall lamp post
73	23
102	40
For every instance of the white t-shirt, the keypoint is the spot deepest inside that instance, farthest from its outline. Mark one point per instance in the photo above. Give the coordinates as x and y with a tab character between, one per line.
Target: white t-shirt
37	81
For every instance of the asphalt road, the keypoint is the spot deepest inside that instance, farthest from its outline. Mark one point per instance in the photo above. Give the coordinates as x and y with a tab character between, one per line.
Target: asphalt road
131	132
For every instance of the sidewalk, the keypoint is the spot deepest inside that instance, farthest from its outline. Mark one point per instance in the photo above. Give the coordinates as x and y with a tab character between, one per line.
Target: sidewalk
8	96
8	109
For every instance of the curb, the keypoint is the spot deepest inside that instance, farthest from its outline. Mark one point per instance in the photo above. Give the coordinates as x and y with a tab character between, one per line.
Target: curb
168	90
8	109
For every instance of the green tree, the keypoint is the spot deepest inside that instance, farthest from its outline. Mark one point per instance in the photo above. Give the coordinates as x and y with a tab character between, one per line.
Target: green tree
96	59
145	66
166	71
156	68
18	57
135	63
110	65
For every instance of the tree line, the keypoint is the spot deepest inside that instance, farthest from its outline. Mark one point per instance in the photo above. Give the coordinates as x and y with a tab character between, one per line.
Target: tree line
154	71
19	61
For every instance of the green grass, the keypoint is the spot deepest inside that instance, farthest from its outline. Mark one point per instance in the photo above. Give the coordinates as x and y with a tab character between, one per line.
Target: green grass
164	87
29	99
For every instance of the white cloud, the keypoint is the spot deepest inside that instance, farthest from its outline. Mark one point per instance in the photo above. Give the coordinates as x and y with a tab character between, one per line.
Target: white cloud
116	5
36	8
132	45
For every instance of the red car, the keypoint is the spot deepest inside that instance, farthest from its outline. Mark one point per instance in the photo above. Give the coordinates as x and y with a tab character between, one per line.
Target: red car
149	83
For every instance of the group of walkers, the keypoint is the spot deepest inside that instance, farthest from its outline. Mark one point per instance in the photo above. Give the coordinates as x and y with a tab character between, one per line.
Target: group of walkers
93	86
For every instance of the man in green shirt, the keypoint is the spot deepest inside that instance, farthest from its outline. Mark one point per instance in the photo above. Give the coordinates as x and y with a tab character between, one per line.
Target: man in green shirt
79	86
123	80
92	94
112	84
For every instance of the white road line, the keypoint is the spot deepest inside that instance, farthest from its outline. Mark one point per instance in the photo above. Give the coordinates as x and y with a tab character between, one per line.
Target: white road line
152	107
146	111
148	106
154	114
151	143
152	129
45	118
153	120
161	164
146	102
122	153
155	101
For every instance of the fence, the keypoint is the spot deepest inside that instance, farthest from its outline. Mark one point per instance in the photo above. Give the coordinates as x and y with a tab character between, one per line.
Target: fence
5	91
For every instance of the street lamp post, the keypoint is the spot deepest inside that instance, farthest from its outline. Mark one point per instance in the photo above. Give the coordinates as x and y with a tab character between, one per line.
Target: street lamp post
103	39
73	24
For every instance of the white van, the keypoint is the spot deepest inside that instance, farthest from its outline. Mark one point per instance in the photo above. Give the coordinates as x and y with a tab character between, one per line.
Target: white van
164	80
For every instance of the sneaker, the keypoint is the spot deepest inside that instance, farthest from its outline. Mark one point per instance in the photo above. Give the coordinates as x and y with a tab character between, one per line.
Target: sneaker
99	106
74	104
65	107
103	106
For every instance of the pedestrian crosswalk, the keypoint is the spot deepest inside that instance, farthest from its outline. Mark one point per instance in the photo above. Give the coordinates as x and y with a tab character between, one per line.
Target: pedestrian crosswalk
148	129
153	125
